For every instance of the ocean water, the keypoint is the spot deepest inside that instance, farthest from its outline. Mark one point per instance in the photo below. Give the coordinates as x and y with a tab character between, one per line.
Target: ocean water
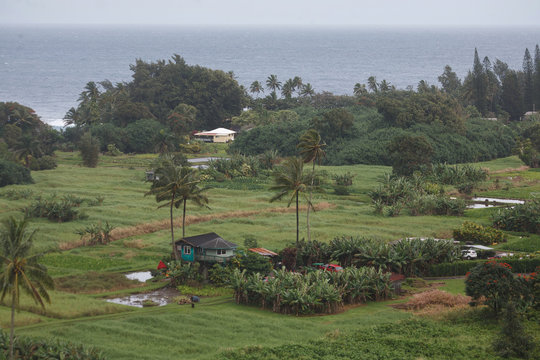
46	67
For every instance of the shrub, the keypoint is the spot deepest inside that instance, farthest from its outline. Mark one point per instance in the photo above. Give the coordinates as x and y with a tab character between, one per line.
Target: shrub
179	273
45	162
513	340
52	208
254	263
493	284
96	234
522	217
219	274
12	173
89	148
112	150
478	234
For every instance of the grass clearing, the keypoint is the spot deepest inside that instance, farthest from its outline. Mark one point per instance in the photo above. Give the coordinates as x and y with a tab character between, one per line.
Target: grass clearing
216	325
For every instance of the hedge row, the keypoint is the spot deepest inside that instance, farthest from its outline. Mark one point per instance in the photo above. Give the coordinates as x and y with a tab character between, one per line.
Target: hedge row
460	268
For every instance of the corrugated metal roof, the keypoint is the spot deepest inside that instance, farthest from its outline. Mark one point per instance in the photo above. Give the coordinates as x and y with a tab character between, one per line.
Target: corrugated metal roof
208	241
263	251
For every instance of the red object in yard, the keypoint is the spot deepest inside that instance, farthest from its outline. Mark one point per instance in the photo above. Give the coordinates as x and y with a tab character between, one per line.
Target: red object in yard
332	267
161	265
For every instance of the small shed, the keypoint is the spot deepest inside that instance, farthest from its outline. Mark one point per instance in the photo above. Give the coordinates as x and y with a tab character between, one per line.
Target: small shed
219	135
263	252
209	247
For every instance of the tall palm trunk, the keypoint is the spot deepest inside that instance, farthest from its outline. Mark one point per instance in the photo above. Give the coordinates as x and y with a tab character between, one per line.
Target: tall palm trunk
297	222
309	203
11	334
184	219
172	231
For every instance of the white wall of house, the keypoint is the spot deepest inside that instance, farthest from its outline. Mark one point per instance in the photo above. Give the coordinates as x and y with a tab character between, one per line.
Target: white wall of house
223	138
221	253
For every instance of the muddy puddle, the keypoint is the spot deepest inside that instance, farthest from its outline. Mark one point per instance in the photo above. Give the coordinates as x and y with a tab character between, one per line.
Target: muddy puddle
161	297
483	202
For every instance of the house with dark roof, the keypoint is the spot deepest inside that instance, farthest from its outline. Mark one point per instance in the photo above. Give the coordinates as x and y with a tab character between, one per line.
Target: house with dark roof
208	247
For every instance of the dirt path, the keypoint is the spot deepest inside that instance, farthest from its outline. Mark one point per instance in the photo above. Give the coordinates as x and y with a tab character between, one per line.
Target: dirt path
150	227
521	168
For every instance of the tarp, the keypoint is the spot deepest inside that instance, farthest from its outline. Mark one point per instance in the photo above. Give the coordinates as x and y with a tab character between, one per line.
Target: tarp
481	247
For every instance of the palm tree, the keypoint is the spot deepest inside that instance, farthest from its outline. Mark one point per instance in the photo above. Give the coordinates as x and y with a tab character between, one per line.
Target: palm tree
372	84
256	87
20	269
290	179
192	192
287	89
311	149
297	82
26	147
307	90
359	89
176	185
272	83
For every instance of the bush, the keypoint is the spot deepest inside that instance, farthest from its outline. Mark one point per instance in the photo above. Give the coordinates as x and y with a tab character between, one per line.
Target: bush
254	263
522	217
492	284
61	210
513	340
478	234
45	162
89	148
12	173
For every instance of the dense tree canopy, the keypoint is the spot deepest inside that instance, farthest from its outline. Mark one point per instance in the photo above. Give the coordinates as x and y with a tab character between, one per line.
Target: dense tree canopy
178	96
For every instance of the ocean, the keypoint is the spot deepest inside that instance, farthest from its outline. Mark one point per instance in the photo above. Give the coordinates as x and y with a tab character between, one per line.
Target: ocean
46	67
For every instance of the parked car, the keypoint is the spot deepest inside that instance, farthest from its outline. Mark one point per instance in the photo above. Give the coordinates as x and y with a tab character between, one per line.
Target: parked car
469	254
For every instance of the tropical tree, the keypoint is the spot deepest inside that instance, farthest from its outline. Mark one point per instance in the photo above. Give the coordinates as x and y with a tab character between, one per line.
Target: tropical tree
27	147
20	269
256	88
287	89
307	90
272	83
311	149
372	84
176	185
290	179
297	82
359	89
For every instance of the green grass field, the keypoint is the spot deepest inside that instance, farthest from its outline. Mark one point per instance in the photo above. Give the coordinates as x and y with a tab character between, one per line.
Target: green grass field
217	328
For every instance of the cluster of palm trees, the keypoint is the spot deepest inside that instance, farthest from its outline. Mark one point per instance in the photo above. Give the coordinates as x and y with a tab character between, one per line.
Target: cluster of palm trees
287	89
290	178
373	86
315	292
175	185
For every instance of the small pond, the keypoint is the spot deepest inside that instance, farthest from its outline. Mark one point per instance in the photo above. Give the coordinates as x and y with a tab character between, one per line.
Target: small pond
483	202
161	297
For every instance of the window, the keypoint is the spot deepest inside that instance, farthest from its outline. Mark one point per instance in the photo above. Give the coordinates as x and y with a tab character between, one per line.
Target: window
221	252
187	250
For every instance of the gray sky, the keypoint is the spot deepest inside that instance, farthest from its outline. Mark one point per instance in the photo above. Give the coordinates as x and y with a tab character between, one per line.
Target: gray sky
273	12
